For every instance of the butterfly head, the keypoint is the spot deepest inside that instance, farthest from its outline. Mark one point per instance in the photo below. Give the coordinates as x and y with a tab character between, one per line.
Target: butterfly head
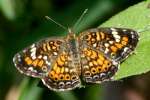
71	35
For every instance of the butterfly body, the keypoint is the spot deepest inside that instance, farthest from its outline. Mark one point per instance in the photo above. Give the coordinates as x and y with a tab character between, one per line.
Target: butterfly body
94	57
73	46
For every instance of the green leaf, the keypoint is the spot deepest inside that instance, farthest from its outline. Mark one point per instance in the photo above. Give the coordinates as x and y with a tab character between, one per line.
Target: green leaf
67	95
94	93
30	91
136	17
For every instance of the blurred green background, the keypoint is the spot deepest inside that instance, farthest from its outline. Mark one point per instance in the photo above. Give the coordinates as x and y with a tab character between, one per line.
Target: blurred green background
22	22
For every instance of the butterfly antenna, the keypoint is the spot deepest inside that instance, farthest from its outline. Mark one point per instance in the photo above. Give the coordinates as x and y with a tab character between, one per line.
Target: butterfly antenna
80	18
60	25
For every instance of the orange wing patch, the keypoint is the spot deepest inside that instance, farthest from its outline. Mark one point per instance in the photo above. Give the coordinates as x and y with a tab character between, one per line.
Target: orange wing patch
95	66
94	37
36	59
63	75
51	47
35	63
115	47
61	69
116	43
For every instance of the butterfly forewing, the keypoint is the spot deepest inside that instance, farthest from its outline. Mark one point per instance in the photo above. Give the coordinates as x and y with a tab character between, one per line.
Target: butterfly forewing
115	43
36	59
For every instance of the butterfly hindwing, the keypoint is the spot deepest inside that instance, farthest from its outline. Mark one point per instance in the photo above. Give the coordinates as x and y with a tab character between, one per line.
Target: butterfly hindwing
36	59
96	68
64	75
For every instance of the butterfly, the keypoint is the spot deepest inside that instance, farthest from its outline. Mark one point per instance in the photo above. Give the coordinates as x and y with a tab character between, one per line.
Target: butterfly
93	56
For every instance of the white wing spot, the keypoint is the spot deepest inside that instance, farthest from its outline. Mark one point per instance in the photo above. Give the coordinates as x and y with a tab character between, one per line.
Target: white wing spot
126	48
106	45
30	68
113	29
116	36
18	56
132	32
24	51
48	63
55	53
72	70
111	42
33	57
40	56
94	45
33	49
124	30
33	52
117	40
66	70
33	45
86	66
106	50
45	57
114	32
